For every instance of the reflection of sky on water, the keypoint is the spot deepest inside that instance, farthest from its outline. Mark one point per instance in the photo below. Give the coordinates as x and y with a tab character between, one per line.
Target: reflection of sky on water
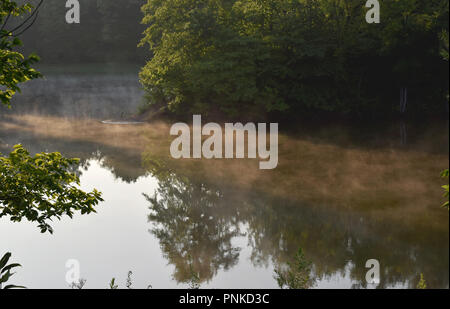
345	193
117	239
110	243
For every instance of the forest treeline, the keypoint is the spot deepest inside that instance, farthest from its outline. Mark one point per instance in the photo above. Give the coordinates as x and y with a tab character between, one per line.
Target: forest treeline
288	57
109	31
259	57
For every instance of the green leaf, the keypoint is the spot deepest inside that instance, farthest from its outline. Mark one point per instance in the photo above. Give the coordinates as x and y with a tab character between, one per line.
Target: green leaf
5	260
9	267
8	287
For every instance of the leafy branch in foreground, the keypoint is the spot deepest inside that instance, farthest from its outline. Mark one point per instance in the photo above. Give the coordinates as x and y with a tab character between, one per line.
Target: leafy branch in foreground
5	271
297	275
14	67
41	188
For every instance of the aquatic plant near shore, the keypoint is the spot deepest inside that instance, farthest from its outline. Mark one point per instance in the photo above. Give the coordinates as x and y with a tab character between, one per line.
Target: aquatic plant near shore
422	285
113	285
78	285
5	271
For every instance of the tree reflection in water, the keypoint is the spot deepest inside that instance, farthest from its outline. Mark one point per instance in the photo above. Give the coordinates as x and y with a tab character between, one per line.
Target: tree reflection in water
195	223
194	227
342	204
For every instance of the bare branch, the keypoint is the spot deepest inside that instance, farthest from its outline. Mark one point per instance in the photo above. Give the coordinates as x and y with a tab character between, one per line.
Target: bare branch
27	27
6	21
33	13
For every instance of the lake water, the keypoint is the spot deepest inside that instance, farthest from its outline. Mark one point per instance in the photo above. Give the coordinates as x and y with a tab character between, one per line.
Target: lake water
344	193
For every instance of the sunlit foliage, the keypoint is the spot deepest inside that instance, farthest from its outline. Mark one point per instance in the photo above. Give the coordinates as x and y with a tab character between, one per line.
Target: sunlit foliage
40	188
14	67
422	285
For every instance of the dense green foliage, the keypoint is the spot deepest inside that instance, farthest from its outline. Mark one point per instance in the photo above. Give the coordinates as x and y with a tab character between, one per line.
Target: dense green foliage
290	56
5	271
41	188
14	67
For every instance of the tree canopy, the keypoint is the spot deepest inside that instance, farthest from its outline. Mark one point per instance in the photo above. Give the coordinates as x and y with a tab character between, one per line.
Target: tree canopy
289	56
109	31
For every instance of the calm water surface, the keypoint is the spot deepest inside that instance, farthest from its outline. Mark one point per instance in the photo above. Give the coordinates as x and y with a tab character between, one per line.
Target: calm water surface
343	193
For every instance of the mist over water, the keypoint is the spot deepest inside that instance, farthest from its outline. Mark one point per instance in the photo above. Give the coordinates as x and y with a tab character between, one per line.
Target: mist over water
114	95
345	193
